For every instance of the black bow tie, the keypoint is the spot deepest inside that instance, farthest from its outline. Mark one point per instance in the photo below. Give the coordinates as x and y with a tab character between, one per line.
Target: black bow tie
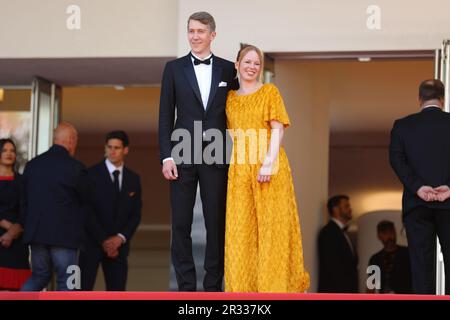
198	61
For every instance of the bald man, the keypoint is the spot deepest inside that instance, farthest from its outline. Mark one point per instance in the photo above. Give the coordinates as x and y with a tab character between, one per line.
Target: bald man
55	205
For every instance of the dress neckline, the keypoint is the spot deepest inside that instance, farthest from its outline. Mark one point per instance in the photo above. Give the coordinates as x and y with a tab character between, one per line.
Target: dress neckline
250	94
7	178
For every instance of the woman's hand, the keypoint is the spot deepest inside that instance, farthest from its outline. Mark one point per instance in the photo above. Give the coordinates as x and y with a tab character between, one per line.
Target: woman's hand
15	231
265	172
6	239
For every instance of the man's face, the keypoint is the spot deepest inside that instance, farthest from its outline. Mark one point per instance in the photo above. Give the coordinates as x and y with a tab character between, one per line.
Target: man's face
115	151
200	37
345	210
387	237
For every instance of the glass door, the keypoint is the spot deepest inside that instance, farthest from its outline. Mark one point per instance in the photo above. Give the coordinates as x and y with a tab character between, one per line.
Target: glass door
45	113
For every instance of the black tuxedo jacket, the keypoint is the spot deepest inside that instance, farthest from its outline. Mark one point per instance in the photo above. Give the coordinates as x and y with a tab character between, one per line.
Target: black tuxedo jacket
419	153
106	220
338	270
55	199
180	92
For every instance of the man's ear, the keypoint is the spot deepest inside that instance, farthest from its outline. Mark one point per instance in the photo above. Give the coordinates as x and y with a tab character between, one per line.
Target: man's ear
126	150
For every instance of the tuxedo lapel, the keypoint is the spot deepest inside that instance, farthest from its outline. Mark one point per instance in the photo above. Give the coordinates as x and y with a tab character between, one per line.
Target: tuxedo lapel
192	79
215	79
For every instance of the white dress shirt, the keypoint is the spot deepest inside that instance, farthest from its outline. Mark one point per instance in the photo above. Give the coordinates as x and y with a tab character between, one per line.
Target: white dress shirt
203	73
342	226
111	169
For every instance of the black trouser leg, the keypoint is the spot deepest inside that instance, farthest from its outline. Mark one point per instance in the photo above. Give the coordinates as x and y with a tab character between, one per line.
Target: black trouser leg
443	231
116	271
213	190
420	227
89	262
182	198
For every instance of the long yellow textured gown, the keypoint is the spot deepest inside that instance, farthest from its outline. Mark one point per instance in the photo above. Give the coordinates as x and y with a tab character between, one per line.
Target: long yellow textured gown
263	250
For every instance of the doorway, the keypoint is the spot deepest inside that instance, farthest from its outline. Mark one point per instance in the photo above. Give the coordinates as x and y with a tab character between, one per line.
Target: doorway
342	106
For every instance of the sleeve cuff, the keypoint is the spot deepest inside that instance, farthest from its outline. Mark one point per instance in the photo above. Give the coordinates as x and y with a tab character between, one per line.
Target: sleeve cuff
122	237
167	159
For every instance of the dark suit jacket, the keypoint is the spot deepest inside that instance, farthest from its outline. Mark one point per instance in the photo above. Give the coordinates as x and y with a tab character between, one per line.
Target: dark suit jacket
419	153
180	91
337	264
105	221
55	199
398	278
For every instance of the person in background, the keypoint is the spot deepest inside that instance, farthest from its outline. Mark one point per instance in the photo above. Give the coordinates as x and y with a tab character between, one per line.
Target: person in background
116	203
419	154
338	261
14	265
55	203
393	261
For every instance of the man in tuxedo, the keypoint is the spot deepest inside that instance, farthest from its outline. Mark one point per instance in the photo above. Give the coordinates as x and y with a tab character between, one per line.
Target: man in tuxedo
338	261
419	153
54	206
116	215
195	87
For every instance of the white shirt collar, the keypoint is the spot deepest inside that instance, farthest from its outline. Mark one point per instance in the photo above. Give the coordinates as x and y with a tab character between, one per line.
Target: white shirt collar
431	106
339	223
111	167
193	55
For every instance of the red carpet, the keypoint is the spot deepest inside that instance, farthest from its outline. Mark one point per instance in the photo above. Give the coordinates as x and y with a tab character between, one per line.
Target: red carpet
99	295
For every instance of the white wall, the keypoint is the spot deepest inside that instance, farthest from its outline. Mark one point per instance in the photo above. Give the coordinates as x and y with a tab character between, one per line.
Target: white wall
323	25
151	28
305	89
109	28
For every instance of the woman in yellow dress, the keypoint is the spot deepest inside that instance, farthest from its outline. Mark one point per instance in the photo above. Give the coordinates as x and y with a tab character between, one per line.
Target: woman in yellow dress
263	250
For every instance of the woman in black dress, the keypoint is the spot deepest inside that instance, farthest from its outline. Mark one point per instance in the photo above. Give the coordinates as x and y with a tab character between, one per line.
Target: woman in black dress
14	263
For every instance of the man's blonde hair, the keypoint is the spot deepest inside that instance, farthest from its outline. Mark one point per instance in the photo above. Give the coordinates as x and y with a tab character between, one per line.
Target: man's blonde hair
205	18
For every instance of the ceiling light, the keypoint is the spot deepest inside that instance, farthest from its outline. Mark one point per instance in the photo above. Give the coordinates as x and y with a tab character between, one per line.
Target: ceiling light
364	59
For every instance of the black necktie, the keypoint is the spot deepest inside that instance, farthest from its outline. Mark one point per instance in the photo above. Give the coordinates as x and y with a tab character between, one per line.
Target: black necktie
198	61
116	174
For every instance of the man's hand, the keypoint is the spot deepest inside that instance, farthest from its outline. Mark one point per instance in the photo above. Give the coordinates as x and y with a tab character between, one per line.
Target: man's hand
443	193
111	246
427	193
169	170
